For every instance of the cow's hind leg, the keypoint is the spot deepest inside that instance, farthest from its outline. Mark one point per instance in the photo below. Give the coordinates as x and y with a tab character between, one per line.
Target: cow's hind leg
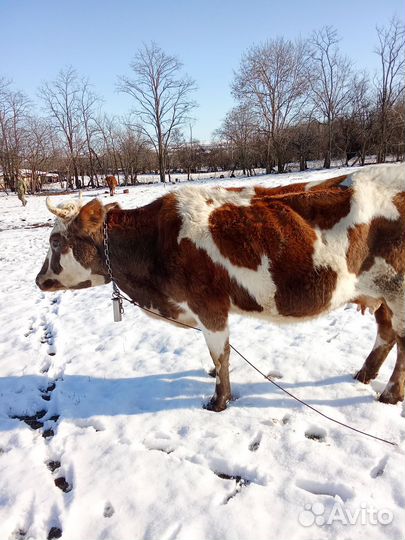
384	342
218	345
394	391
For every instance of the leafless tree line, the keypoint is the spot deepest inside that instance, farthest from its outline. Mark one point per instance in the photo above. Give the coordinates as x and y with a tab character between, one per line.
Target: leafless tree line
295	101
304	100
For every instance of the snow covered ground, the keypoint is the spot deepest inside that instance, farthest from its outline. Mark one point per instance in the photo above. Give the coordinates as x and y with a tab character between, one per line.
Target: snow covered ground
116	444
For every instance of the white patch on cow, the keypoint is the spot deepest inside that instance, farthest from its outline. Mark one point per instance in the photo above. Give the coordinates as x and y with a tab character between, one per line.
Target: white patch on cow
216	341
315	183
74	273
187	316
382	280
373	191
59	226
330	251
379	342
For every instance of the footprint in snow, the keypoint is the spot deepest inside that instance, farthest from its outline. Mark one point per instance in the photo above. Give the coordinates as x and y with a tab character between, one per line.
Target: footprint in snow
316	433
379	469
54	532
53	465
18	534
274	374
254	445
329	488
108	510
62	484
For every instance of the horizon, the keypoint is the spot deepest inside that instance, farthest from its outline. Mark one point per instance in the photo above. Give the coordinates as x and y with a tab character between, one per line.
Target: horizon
103	56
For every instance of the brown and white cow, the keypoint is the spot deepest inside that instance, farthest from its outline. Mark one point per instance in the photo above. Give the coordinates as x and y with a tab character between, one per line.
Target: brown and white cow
111	182
285	254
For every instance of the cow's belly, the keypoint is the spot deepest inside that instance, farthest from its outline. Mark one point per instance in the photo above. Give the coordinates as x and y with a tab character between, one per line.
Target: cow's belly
286	299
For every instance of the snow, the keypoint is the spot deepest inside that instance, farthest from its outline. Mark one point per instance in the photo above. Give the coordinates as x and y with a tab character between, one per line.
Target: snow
140	456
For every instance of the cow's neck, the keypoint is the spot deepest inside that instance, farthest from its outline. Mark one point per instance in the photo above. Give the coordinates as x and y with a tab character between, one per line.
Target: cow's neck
132	238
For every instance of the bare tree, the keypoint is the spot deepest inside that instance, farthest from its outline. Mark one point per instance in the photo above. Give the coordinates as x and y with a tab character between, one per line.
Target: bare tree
88	105
240	128
330	82
62	100
14	109
108	127
38	149
132	150
390	82
273	80
162	97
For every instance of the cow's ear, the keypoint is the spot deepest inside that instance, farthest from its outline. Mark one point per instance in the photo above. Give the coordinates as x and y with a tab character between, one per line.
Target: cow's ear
112	206
91	217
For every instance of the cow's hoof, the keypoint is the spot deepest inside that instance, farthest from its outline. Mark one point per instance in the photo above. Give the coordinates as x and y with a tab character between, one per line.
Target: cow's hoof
364	376
216	405
212	372
392	396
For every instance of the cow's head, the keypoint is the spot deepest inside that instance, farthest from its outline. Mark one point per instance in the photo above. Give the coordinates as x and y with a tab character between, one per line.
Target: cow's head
75	256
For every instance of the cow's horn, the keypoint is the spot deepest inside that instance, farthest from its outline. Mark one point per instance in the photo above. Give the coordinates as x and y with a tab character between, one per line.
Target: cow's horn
65	212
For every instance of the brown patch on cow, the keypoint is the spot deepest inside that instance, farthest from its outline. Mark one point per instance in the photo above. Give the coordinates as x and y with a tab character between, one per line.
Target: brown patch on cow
235	189
222	387
357	250
387	240
145	241
90	219
301	187
382	237
207	287
210	201
51	285
55	263
322	208
306	296
330	183
279	190
44	268
112	206
83	284
275	229
242	299
59	245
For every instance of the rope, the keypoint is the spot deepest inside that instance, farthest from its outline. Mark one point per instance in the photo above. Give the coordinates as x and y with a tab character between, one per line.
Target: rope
314	409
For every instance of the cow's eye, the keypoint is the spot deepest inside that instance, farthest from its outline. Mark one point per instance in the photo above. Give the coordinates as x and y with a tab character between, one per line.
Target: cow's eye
55	243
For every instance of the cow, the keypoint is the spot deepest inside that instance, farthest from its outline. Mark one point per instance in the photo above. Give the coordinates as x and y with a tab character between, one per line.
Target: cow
111	182
284	254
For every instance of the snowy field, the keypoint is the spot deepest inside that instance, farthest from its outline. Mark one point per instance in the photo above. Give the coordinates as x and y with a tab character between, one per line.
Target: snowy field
103	434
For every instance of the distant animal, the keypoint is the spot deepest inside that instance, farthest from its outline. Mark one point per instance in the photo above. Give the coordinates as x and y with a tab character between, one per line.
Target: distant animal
284	254
111	182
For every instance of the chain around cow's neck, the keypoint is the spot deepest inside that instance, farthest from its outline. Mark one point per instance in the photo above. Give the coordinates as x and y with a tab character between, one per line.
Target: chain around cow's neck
116	295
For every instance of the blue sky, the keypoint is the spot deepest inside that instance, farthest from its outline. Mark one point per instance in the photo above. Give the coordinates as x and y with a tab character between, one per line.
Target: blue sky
99	38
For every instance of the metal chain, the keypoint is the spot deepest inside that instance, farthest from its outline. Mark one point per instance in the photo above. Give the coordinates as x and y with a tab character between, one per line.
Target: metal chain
116	295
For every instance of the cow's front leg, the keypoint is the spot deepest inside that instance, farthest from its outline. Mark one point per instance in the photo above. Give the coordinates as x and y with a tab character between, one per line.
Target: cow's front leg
218	345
